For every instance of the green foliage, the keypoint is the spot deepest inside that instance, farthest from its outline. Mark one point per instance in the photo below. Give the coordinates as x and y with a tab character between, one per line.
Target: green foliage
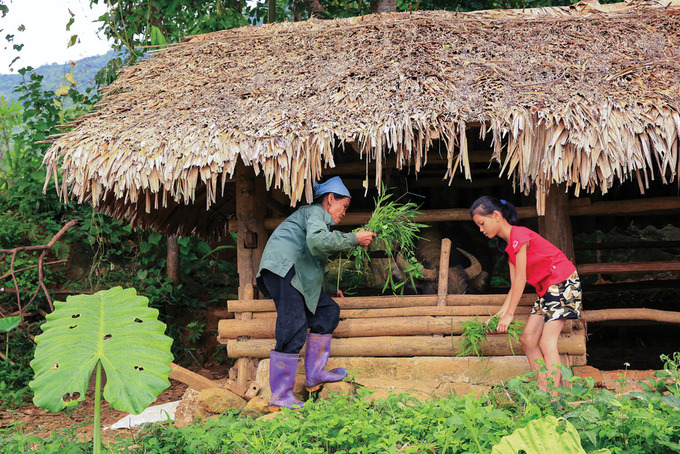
114	327
137	23
7	324
396	233
548	434
14	378
581	415
472	340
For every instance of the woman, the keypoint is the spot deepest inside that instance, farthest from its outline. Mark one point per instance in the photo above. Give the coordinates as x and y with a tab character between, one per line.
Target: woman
291	272
532	259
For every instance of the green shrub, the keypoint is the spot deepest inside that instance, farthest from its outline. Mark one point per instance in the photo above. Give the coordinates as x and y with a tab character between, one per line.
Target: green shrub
644	422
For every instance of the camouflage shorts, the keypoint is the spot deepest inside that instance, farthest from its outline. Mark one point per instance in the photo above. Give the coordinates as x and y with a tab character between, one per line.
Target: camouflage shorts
562	300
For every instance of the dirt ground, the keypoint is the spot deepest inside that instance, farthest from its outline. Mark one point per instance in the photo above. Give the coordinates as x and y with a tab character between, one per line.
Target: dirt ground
41	422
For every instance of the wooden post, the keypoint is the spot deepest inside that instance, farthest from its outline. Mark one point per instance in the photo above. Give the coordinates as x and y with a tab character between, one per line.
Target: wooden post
555	225
242	363
251	236
443	287
173	259
250	241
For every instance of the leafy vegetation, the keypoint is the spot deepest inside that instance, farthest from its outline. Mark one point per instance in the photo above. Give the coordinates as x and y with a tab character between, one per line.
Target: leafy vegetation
112	329
101	253
396	233
475	331
638	422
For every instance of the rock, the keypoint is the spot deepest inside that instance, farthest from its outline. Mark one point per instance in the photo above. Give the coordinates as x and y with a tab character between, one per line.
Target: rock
256	407
218	400
188	409
341	387
382	394
269	416
589	371
460	389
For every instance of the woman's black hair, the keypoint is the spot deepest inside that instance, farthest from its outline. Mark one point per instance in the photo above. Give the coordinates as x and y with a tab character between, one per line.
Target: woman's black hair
486	205
319	199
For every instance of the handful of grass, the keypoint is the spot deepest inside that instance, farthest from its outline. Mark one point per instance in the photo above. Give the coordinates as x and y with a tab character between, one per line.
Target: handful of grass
396	233
472	340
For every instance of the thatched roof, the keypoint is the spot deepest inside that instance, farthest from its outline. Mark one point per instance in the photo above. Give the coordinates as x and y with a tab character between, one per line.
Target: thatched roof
588	95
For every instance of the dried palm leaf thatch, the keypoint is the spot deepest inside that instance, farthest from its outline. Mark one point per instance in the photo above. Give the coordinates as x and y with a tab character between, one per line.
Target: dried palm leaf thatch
586	95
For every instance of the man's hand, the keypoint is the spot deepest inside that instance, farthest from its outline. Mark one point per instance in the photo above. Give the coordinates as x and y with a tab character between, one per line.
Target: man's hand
365	237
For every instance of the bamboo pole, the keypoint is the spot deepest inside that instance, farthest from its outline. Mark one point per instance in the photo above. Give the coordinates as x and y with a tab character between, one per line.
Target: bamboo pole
482	311
654	315
263	328
627	267
443	283
393	346
576	207
389	301
242	364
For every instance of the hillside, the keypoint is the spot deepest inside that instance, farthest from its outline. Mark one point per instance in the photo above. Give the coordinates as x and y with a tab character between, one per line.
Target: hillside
84	72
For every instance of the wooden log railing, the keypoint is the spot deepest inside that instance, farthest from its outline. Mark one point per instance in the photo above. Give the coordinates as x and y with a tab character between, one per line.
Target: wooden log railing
411	325
263	328
576	207
628	267
399	346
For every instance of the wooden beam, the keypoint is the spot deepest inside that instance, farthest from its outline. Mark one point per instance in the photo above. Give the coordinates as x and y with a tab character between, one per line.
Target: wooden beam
438	311
654	315
426	217
172	261
390	301
555	225
627	267
199	382
577	207
263	328
627	207
251	236
393	346
443	284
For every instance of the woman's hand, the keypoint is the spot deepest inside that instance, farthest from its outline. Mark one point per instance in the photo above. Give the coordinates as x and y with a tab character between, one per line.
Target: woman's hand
365	237
504	323
340	294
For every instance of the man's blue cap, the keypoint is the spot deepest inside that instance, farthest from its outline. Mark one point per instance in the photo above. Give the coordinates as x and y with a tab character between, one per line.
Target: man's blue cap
334	185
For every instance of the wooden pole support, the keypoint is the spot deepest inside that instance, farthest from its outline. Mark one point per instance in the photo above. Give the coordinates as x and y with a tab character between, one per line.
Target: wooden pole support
391	301
405	346
263	328
199	382
654	315
481	311
443	286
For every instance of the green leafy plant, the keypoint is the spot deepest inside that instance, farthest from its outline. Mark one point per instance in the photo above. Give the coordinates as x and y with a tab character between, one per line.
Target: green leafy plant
396	233
113	328
471	342
7	324
548	434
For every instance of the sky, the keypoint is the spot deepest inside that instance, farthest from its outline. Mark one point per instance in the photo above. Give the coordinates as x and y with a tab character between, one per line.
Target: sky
46	38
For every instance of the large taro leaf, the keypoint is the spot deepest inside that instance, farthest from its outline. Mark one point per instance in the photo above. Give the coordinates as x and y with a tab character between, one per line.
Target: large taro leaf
7	324
548	434
115	327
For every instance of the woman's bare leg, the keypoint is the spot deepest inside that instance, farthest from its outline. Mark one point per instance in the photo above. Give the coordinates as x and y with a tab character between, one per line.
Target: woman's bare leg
530	338
548	346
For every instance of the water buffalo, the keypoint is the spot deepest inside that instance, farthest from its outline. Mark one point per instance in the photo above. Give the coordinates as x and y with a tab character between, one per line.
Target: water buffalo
465	271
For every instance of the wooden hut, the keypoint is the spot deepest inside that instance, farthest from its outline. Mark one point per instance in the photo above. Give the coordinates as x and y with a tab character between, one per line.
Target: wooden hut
228	130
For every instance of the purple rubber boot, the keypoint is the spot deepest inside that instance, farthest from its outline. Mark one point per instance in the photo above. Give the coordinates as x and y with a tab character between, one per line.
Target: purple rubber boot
316	356
282	368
